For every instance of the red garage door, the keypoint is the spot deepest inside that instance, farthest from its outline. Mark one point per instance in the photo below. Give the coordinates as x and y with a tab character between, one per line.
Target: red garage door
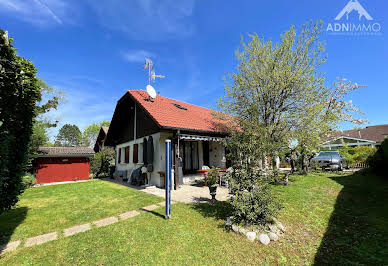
60	169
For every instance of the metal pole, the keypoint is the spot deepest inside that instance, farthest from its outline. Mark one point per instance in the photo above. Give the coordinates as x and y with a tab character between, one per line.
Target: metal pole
167	182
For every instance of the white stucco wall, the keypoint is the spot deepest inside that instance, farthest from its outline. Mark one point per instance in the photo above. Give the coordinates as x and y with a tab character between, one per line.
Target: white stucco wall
158	163
217	154
216	157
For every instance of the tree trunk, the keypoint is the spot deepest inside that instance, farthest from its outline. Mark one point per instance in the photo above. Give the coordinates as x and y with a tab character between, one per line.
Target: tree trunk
277	162
265	161
305	163
286	177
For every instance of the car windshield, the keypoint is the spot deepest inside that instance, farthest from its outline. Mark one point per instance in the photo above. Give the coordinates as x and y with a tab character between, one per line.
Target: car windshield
328	153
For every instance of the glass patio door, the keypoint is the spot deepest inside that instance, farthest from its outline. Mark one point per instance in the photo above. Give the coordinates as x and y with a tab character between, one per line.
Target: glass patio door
190	156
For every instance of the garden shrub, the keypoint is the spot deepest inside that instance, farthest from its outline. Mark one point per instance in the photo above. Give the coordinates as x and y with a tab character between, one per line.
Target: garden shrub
253	201
357	155
100	163
379	161
28	180
212	177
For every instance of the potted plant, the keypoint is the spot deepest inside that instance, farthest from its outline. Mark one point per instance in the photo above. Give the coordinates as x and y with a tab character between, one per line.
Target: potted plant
211	180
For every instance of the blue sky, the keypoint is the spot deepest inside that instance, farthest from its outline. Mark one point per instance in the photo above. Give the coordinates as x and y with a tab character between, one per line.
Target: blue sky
94	50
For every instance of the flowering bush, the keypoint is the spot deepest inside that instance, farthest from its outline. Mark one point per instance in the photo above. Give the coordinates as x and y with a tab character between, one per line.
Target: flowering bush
212	177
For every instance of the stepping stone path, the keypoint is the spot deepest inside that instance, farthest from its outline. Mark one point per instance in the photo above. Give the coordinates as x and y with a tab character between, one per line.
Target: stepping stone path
76	229
150	207
163	203
37	240
127	215
106	221
11	246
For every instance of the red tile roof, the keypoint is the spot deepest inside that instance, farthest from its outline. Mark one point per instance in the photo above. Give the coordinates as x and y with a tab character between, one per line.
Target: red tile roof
375	133
166	113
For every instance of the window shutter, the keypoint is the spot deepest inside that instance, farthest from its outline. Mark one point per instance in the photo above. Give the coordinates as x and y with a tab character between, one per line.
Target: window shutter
135	153
119	160
127	154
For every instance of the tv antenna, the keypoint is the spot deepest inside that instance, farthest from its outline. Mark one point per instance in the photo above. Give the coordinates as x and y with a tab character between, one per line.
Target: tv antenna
151	77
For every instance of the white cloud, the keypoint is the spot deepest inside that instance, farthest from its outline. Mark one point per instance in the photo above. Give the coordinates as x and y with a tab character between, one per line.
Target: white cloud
39	12
139	19
147	19
136	55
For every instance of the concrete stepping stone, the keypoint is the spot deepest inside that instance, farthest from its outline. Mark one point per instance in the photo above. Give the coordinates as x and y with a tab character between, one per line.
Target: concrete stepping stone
106	221
76	229
163	203
150	207
37	240
127	215
11	246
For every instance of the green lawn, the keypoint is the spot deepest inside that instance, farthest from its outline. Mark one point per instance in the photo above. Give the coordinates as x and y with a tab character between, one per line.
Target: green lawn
330	219
48	208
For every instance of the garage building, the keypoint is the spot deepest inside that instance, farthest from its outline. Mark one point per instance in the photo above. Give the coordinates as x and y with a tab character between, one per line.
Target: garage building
60	164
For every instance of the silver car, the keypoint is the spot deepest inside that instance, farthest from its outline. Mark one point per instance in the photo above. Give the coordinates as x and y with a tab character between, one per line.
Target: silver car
329	159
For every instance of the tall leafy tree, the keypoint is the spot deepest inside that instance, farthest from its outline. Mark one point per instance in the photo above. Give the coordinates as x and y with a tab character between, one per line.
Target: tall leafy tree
90	133
19	94
274	84
277	96
279	90
69	136
51	98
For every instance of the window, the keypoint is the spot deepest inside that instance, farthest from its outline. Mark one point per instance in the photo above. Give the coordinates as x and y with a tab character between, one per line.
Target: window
127	154
179	106
119	157
135	153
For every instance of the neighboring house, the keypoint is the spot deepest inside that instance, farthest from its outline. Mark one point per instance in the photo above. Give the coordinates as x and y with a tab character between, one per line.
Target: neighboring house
59	164
369	136
100	141
193	130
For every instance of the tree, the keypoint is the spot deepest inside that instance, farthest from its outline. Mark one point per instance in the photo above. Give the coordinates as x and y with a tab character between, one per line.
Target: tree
277	96
90	133
19	95
322	116
43	122
275	83
69	136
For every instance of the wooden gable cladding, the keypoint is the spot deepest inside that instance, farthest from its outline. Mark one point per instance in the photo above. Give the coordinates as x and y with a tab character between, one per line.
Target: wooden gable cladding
145	125
135	153
127	154
122	125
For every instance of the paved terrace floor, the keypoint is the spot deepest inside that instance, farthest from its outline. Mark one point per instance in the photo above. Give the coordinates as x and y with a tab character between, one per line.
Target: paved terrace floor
188	193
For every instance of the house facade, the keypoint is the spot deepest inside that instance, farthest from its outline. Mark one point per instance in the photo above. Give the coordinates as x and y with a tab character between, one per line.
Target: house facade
195	133
369	136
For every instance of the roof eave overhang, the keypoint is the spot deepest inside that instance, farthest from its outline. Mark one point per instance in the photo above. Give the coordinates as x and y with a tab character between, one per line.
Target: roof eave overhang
352	138
169	128
64	155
